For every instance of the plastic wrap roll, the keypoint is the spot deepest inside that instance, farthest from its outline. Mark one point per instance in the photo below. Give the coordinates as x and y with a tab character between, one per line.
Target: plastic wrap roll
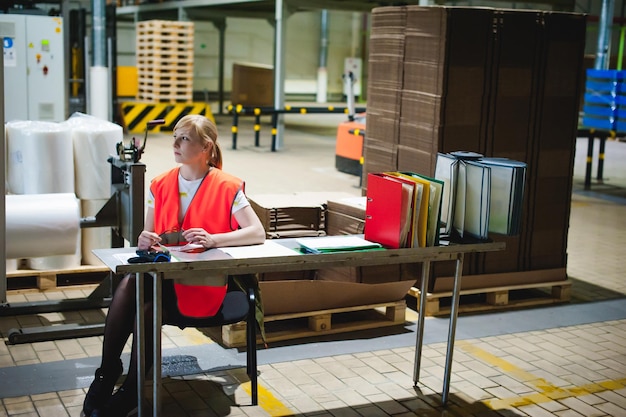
94	141
93	237
12	265
57	261
42	225
99	92
40	158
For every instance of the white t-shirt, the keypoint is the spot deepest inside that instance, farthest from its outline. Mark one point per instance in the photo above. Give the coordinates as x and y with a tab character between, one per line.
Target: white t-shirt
187	189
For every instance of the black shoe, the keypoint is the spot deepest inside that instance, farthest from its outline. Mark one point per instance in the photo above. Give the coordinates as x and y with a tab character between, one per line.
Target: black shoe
100	390
121	404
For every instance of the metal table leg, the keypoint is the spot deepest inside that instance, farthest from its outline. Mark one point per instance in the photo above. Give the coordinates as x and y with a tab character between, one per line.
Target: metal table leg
156	346
139	340
419	339
456	295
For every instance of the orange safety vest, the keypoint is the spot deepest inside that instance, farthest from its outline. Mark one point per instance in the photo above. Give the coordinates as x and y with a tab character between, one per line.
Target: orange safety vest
210	209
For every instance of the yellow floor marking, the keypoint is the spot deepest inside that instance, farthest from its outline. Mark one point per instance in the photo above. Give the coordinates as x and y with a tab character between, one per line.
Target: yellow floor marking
268	402
547	391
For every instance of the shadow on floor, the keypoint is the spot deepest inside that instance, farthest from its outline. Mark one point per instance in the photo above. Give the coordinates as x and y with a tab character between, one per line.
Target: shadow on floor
601	191
584	291
197	395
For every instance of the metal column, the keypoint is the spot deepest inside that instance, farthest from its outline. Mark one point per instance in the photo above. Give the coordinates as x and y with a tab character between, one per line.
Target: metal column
604	35
280	32
3	248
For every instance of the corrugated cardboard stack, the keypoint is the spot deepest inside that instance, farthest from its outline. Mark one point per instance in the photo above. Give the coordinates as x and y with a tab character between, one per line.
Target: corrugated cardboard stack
291	215
445	74
495	81
552	161
288	216
386	58
512	110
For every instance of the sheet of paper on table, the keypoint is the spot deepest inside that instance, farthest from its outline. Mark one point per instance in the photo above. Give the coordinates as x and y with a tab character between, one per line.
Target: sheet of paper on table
267	249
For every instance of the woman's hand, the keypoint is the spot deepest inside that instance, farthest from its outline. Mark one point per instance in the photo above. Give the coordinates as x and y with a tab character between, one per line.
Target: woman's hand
147	239
199	236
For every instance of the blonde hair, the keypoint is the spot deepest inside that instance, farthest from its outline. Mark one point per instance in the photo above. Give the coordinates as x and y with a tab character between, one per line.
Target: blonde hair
206	130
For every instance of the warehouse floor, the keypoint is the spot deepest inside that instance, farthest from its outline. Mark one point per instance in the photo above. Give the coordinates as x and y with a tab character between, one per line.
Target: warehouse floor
553	360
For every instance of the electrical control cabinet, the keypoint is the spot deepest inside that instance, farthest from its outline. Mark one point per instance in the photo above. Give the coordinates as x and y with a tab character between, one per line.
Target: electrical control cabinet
34	68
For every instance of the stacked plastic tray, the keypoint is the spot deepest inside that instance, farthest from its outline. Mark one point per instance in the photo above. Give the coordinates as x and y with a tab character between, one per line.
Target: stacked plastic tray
605	100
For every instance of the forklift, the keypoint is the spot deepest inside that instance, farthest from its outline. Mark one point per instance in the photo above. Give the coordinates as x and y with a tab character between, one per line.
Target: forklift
350	135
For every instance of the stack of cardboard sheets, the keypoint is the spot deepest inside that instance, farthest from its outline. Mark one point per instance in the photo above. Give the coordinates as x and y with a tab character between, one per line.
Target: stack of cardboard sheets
500	82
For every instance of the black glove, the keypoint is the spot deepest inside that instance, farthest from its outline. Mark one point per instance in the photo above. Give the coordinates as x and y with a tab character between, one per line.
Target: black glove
149	256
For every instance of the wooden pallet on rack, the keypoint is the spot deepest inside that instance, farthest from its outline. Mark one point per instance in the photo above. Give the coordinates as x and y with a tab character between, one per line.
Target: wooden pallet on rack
497	298
316	323
28	280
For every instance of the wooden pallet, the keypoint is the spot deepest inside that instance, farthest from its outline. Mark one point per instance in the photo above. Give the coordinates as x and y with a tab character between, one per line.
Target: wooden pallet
152	68
165	58
164	98
504	297
165	26
27	280
165	40
173	83
316	323
168	56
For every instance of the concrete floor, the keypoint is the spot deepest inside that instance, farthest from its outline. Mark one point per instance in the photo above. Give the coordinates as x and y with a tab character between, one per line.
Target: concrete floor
562	360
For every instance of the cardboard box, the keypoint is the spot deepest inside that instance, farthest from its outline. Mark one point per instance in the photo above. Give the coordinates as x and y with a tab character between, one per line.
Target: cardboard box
445	284
346	216
302	291
375	274
293	215
283	297
252	85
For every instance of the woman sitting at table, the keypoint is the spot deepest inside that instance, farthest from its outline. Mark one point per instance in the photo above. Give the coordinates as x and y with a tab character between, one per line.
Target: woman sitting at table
211	210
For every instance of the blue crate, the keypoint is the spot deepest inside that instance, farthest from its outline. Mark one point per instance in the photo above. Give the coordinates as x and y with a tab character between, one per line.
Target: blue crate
605	100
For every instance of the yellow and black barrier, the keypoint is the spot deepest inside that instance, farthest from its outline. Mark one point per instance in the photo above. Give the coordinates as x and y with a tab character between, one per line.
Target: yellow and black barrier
137	114
257	112
591	135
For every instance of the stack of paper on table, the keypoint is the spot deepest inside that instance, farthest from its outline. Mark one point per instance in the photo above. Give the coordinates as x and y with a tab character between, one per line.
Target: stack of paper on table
328	244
